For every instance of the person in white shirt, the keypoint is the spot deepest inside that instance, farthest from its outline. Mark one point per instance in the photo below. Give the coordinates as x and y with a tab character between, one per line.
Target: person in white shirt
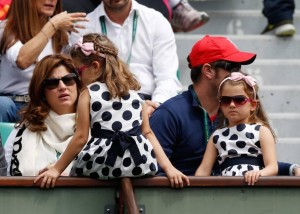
33	29
145	41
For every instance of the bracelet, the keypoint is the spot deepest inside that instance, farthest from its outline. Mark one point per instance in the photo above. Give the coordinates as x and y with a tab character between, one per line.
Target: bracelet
52	25
45	35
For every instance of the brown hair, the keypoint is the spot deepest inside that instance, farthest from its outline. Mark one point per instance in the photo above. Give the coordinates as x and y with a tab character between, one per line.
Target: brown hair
114	71
34	114
23	23
258	115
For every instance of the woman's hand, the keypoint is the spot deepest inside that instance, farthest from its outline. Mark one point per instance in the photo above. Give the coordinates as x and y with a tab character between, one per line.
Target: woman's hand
251	177
48	176
68	21
177	178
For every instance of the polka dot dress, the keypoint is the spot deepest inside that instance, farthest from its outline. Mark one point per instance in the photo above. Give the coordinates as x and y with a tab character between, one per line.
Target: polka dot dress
235	144
115	117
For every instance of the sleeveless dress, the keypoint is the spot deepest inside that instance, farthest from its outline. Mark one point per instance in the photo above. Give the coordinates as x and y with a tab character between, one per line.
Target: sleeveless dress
238	149
117	147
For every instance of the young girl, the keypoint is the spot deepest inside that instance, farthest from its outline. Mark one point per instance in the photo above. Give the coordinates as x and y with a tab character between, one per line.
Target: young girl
111	109
245	146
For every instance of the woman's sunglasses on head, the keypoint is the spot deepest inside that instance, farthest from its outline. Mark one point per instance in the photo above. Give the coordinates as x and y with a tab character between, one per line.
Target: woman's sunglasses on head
68	80
237	100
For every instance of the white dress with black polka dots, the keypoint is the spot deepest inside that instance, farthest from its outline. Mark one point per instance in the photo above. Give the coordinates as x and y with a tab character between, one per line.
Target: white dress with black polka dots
117	148
239	149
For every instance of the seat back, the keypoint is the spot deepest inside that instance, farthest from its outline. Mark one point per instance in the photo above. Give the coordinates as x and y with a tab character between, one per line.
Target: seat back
5	129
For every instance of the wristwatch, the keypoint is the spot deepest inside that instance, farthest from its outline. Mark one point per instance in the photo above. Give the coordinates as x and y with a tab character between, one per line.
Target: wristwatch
294	167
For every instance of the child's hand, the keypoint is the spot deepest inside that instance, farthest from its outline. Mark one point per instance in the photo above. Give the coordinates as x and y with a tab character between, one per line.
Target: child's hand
49	177
251	177
177	178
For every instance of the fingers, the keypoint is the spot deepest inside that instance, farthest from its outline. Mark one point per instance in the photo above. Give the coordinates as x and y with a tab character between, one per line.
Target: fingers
251	177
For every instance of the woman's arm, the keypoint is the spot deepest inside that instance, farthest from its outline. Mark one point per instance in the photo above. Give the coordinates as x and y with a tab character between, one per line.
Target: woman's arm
208	160
30	51
75	146
175	176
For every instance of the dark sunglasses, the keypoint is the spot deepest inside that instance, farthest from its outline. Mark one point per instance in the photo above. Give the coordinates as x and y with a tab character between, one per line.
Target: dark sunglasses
237	100
68	80
228	66
81	69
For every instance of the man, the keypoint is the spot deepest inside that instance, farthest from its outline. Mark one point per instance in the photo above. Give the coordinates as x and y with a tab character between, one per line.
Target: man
145	41
184	123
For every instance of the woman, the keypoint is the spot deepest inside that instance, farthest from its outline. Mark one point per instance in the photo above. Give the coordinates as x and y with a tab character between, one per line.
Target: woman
48	122
33	29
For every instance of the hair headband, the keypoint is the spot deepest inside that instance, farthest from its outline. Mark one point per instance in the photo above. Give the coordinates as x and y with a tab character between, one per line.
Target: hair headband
87	48
236	76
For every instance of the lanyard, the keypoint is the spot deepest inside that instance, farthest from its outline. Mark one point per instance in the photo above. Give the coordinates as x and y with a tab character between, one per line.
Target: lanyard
205	120
134	27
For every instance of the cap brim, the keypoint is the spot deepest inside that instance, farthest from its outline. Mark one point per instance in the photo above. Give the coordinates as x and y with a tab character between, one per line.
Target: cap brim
241	57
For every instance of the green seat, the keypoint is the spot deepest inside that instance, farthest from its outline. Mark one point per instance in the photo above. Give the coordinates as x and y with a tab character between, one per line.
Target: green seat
5	129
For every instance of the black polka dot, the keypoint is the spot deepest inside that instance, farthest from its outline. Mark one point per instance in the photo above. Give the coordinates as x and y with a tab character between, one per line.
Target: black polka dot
79	171
144	157
257	127
136	171
257	144
96	106
139	138
219	158
141	96
244	172
152	153
94	175
135	104
95	87
107	142
117	172
233	137
98	150
239	167
146	147
152	167
135	123
127	115
106	116
86	157
126	97
252	150
240	127
230	168
223	145
241	144
96	128
225	133
105	171
249	167
232	152
233	173
97	142
117	105
89	165
91	140
127	162
116	126
249	135
100	160
215	139
105	96
87	147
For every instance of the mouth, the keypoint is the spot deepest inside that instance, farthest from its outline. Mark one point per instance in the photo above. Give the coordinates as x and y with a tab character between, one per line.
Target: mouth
63	96
49	5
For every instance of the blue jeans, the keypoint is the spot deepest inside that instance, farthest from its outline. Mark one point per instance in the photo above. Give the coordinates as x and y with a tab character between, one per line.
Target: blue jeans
9	109
278	10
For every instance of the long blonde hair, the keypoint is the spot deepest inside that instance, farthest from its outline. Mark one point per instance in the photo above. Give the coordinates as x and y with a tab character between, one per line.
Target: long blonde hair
114	72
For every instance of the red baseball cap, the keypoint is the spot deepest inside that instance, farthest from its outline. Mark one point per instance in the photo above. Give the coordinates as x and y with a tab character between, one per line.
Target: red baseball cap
212	48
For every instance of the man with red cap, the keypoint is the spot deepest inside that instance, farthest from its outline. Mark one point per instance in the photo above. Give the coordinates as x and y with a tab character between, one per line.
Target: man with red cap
184	123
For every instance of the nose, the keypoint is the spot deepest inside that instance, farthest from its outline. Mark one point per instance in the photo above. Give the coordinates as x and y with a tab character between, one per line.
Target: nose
61	85
232	104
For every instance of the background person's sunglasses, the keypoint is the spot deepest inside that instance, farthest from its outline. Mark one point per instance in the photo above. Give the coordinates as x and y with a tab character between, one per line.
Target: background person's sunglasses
238	100
68	80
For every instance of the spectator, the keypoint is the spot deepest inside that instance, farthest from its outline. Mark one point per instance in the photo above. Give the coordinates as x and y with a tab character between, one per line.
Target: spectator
33	29
4	6
150	51
280	17
183	124
245	144
112	108
38	140
3	164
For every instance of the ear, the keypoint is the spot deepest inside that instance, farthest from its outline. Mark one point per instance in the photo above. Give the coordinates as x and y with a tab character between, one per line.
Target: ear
207	71
253	105
96	65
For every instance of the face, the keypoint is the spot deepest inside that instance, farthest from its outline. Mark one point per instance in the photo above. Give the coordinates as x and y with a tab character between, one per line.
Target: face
116	5
62	98
237	112
46	7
